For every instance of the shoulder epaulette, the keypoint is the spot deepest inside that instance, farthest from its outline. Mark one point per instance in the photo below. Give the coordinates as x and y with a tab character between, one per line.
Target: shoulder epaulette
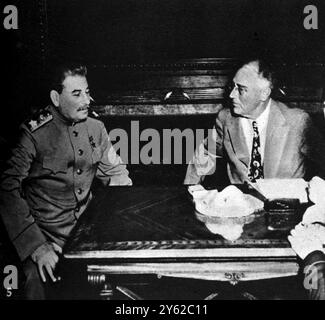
40	118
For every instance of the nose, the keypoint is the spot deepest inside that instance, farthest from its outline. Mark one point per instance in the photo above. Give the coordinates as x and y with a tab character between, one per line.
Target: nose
233	93
86	98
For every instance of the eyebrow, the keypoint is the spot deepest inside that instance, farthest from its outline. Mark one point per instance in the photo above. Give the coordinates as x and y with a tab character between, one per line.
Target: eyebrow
240	86
78	90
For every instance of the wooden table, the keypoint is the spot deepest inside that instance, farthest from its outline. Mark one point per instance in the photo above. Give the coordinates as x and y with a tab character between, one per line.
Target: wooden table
154	231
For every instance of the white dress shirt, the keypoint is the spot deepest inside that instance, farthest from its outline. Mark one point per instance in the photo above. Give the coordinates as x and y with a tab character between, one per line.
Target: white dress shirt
247	126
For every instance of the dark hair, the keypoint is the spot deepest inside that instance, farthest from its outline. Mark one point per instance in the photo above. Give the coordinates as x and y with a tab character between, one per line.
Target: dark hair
62	71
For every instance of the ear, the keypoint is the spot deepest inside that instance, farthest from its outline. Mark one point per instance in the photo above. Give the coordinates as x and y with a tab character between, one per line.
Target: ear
55	97
265	94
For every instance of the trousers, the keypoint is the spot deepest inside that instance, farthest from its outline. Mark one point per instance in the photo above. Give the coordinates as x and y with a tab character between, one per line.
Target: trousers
34	287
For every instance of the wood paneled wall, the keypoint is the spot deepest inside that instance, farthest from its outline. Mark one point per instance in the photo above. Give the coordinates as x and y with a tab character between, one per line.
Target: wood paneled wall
197	86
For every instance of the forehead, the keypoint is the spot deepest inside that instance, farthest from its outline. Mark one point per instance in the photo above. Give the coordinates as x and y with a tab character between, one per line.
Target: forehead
247	76
71	83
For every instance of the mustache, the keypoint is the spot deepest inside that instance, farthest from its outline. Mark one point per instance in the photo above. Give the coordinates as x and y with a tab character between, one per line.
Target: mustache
93	112
87	107
83	108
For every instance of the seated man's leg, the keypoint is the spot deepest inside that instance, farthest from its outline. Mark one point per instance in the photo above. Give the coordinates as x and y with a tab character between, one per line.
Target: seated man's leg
314	270
34	288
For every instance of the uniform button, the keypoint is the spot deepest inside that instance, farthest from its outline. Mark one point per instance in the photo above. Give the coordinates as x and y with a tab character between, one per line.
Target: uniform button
79	191
75	133
80	152
77	209
79	171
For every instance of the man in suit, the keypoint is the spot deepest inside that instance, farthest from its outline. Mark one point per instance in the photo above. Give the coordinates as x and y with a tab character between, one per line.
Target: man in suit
259	137
46	185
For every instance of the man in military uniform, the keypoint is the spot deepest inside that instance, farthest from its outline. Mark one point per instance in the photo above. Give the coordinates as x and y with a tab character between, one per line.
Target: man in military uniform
46	185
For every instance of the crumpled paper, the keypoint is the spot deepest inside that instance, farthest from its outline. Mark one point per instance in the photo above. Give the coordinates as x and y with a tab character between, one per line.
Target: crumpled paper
226	212
230	231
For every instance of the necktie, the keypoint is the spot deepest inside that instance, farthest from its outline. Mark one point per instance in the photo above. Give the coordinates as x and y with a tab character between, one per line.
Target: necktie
256	167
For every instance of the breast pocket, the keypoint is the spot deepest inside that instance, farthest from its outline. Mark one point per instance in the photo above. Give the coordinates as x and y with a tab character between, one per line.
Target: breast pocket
55	165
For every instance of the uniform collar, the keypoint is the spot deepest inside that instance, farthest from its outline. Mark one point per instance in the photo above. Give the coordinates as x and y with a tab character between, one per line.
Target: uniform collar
57	115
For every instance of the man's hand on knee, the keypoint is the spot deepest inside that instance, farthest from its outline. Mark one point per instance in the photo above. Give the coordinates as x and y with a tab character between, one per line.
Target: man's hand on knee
46	258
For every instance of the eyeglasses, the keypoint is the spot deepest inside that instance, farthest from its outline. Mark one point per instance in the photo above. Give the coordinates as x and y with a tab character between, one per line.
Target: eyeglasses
239	88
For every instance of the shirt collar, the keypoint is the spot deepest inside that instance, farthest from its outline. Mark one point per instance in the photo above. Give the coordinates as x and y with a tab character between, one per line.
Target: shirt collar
264	116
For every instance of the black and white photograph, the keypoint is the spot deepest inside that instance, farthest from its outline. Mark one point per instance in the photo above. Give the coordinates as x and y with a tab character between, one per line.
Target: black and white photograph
169	150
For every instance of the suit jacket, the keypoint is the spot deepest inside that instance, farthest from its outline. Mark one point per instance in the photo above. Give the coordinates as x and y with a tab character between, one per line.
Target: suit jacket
46	186
287	146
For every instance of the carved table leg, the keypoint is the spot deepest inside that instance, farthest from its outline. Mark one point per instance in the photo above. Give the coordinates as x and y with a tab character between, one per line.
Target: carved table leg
106	292
99	281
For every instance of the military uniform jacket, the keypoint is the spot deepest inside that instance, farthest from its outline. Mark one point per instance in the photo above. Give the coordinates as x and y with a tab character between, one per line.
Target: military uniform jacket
46	185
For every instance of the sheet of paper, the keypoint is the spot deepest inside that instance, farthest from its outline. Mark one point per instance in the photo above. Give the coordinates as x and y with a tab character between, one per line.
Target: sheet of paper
283	188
